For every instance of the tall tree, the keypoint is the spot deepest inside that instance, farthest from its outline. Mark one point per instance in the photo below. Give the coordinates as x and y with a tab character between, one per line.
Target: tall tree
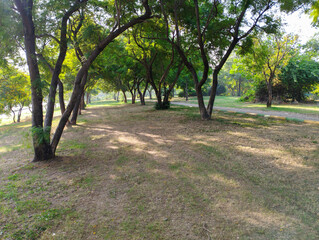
44	148
213	29
269	56
14	91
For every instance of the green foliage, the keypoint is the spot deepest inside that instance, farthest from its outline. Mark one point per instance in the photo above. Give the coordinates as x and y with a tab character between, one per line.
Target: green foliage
14	89
42	135
221	89
300	77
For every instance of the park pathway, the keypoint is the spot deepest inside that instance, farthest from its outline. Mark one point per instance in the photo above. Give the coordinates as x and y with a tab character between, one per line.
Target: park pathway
310	118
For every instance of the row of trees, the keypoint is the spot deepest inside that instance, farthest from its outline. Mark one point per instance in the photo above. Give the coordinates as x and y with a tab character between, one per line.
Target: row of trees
276	66
135	44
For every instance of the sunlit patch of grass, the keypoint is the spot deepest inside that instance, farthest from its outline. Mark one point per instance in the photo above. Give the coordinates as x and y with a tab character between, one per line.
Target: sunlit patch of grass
11	148
227	101
105	103
72	145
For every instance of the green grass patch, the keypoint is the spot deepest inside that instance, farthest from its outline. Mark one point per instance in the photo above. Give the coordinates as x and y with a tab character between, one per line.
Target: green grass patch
227	101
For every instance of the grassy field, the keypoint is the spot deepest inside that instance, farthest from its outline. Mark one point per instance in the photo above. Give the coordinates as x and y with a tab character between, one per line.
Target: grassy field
222	101
130	172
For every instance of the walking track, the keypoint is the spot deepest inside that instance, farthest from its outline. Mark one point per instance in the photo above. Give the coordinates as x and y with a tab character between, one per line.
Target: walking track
308	118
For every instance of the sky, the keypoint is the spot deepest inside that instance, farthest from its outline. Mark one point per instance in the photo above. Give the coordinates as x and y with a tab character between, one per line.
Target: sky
300	23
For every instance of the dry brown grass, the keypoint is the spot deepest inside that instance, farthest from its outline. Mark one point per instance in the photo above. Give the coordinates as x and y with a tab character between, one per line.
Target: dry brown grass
130	172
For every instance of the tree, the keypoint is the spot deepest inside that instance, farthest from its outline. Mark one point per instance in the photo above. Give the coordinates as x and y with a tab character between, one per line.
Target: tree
215	28
268	56
154	51
14	91
299	77
44	148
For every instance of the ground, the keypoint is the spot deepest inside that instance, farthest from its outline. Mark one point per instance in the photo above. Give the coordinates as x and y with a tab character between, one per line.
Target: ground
130	172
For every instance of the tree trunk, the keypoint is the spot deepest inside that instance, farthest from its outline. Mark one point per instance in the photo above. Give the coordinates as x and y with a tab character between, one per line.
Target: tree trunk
19	113
159	98
88	100
77	108
41	144
125	98
212	96
269	89
61	96
239	87
142	94
78	85
118	96
133	94
186	92
82	102
13	115
150	93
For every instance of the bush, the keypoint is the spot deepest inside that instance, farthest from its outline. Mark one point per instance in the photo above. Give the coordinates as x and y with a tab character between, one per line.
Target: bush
221	89
165	105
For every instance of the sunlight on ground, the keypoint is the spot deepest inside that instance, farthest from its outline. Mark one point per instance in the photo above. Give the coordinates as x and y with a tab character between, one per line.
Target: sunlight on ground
223	180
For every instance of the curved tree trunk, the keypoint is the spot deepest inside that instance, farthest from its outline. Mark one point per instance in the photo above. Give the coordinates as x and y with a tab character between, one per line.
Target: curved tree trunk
125	98
77	108
19	113
78	86
13	115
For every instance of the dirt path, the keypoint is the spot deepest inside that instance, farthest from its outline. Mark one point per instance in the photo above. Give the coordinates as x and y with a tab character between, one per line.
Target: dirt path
286	115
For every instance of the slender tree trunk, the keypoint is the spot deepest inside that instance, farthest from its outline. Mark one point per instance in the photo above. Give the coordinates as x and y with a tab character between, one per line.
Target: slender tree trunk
13	115
213	93
125	98
186	91
239	87
269	90
82	102
150	94
142	94
118	96
61	96
88	98
78	85
19	113
41	144
77	108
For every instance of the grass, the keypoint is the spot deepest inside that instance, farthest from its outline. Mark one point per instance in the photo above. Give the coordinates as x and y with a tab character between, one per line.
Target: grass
130	172
226	101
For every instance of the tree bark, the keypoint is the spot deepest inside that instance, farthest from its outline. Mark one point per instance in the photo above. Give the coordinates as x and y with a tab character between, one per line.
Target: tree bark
125	98
88	98
82	102
269	90
58	66
19	113
77	108
61	96
239	87
77	84
41	145
13	116
213	93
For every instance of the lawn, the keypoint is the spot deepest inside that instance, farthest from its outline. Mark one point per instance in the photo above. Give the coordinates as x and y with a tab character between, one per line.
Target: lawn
130	172
225	101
